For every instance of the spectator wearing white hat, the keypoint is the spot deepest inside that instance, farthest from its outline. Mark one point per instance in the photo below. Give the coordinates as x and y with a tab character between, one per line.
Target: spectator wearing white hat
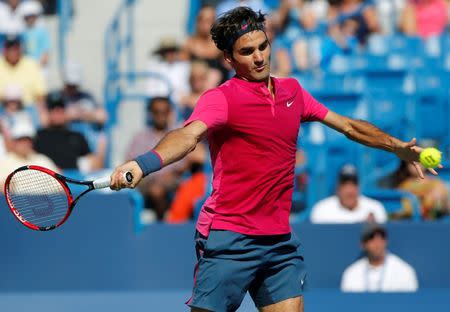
21	151
13	109
36	35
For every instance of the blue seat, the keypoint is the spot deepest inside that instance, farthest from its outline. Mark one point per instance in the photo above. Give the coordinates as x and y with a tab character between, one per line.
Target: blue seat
392	200
342	102
431	116
381	75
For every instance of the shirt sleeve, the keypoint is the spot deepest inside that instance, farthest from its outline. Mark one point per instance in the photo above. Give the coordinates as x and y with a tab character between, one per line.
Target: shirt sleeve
211	109
313	110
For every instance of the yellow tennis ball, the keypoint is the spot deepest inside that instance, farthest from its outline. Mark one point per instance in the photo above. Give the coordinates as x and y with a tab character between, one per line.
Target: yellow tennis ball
430	157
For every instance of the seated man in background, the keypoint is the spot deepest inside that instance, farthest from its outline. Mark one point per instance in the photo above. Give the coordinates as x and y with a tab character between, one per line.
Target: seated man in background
67	148
348	205
21	151
157	187
379	270
15	68
83	113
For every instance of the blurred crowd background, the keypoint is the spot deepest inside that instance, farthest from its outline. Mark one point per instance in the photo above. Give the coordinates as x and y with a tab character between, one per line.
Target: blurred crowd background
387	61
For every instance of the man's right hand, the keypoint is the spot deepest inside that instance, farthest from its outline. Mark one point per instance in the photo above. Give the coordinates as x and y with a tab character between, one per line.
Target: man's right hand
118	180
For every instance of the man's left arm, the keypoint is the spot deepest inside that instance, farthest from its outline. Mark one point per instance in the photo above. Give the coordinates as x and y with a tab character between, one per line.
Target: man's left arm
365	133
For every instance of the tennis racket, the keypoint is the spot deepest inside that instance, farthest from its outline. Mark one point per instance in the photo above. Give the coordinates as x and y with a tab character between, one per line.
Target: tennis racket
41	199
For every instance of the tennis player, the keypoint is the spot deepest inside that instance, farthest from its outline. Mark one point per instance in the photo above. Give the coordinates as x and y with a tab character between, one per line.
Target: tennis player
243	239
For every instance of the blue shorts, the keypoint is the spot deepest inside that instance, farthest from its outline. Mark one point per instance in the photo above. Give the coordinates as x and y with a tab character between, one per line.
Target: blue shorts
229	264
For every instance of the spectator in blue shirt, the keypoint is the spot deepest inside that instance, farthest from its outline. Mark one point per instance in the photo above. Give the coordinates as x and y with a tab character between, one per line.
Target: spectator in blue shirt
36	36
255	5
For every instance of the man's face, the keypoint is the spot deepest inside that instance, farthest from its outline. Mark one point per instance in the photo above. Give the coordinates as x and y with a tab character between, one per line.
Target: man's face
57	116
13	53
23	146
205	20
30	20
160	110
12	106
251	56
348	193
375	246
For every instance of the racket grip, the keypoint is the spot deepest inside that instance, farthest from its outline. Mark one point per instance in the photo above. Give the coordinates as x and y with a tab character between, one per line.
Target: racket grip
106	181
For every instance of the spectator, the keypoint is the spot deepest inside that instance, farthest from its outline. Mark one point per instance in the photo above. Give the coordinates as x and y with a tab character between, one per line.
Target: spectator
67	148
190	190
341	40
424	18
15	68
389	12
171	73
378	270
198	81
83	112
297	14
348	205
22	152
431	192
201	47
157	187
10	18
36	35
255	5
13	110
363	11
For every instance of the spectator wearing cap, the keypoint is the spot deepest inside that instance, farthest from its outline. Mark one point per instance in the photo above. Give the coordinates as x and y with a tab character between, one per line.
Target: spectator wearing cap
36	36
15	68
67	148
378	270
171	72
348	205
21	151
84	114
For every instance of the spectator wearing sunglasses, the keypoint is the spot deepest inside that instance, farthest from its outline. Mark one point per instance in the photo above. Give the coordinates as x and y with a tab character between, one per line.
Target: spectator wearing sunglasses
378	270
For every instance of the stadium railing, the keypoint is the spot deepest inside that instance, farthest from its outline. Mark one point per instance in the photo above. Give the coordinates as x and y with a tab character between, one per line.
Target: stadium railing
65	13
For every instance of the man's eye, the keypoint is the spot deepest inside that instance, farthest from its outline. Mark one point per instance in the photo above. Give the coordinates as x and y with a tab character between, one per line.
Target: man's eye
263	46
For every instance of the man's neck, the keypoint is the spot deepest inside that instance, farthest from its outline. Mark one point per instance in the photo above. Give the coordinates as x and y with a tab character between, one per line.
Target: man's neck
377	261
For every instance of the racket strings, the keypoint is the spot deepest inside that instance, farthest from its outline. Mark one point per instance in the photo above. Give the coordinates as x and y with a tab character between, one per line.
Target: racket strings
38	197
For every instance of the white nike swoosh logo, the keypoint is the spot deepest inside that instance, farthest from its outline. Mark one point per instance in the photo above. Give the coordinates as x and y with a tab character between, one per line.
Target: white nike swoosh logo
288	104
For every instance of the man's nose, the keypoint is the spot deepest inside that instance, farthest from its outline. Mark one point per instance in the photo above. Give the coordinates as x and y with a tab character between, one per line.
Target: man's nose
258	57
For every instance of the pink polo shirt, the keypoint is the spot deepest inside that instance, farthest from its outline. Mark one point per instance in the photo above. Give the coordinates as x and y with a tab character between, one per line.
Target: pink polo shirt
253	142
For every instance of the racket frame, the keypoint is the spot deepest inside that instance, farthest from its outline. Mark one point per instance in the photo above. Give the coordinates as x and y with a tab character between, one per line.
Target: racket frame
62	181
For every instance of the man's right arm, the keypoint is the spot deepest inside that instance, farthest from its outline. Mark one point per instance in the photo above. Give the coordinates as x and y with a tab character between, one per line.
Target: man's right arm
173	146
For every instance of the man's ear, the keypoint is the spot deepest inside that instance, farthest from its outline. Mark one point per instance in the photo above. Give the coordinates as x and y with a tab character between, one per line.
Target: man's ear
228	57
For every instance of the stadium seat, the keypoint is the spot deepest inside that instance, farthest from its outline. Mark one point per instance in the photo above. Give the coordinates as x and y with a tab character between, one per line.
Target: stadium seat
392	200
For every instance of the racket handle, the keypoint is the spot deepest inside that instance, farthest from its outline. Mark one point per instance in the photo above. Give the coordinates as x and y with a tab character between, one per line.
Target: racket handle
106	181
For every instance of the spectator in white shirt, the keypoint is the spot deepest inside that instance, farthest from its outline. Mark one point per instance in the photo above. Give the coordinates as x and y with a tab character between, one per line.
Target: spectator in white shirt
348	205
379	270
170	72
